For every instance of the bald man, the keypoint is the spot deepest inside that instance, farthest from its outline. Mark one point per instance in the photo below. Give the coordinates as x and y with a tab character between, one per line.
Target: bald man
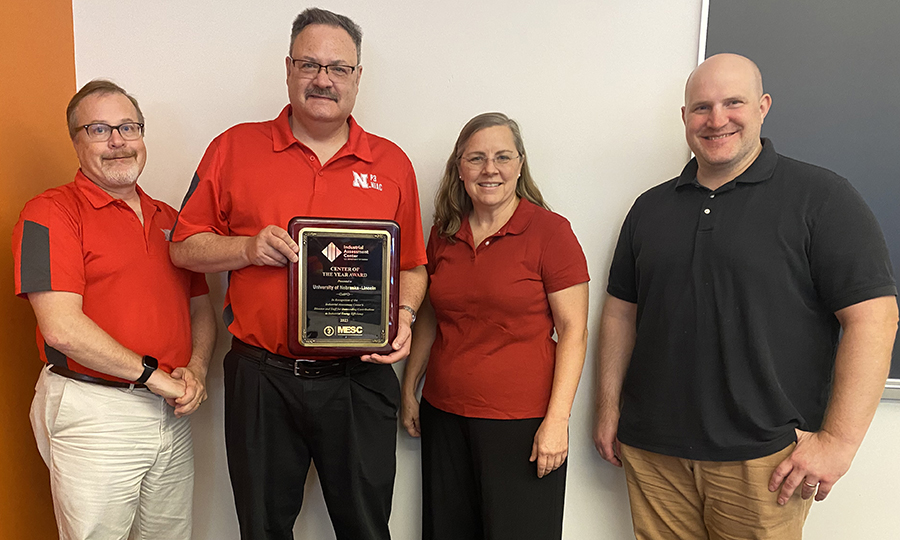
725	385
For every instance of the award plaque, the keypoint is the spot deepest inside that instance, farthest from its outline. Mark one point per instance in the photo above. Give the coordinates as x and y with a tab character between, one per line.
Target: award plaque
344	291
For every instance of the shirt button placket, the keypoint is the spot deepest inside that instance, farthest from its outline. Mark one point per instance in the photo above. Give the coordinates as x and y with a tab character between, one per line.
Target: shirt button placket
706	217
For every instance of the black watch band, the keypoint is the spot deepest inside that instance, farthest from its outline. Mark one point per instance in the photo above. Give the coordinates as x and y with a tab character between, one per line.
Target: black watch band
150	365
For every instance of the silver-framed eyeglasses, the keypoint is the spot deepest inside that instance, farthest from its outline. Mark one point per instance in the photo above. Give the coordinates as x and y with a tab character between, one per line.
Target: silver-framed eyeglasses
100	132
479	162
308	69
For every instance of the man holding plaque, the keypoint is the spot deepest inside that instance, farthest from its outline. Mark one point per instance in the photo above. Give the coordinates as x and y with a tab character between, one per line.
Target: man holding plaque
282	411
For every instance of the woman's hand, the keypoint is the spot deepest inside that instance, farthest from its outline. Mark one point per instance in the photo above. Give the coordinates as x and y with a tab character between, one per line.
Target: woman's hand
409	414
551	445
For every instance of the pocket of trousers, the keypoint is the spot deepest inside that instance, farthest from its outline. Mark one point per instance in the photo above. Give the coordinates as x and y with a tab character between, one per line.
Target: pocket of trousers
381	380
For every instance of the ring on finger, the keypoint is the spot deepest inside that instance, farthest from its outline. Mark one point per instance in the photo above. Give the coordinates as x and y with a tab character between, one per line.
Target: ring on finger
812	486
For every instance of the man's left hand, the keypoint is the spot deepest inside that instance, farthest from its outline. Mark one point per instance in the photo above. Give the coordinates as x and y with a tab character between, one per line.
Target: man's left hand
400	345
194	391
818	461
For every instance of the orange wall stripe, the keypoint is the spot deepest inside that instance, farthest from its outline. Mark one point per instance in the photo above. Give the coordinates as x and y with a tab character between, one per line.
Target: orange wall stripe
37	78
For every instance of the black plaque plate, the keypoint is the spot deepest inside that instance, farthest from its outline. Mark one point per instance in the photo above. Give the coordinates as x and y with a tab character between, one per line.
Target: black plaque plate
344	291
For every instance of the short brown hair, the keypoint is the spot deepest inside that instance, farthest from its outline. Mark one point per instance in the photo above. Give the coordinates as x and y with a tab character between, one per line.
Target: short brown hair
97	86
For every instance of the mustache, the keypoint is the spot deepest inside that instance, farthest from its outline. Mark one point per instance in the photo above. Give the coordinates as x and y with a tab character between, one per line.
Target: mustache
322	92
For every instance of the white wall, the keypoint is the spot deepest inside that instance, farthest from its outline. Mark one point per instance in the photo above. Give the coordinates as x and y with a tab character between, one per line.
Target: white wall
596	86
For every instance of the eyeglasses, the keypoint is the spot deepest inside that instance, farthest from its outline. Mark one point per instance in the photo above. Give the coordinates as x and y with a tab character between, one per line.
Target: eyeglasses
477	163
310	70
130	131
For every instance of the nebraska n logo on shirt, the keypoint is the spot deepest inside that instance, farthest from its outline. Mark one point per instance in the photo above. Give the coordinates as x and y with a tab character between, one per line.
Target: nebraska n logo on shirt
365	181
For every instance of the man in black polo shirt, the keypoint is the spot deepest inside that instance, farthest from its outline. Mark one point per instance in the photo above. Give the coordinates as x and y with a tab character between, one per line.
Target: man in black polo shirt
723	385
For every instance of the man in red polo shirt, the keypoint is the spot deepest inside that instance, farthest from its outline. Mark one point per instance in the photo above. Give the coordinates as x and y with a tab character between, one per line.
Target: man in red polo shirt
126	335
313	160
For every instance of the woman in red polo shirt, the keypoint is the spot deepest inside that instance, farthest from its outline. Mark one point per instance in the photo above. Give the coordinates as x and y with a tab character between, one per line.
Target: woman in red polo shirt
504	271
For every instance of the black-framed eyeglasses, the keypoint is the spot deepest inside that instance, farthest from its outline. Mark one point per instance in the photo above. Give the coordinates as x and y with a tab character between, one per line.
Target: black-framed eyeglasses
308	69
478	162
100	132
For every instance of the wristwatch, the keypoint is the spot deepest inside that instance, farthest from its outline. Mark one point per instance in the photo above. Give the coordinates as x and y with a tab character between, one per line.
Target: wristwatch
411	312
150	365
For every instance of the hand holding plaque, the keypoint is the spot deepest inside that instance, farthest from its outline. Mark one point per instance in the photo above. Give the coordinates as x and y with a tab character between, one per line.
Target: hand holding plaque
344	290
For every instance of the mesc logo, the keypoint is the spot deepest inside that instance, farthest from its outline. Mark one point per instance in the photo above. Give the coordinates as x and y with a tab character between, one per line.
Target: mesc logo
349	329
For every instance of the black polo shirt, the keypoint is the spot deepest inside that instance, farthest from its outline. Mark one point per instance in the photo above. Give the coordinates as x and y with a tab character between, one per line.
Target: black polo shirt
736	292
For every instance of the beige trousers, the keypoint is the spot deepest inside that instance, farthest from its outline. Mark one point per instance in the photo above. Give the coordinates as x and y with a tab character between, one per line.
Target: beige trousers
120	462
681	499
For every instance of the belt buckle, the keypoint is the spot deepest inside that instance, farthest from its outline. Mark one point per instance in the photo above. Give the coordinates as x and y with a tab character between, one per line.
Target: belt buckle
302	370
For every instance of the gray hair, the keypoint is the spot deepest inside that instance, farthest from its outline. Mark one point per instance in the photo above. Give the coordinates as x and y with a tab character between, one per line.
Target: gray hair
311	16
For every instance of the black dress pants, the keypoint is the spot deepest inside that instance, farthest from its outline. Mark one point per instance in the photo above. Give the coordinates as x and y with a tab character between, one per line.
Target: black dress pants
477	482
275	423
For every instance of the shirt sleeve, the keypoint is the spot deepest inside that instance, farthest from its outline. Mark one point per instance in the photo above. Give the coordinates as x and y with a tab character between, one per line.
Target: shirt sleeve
47	249
201	210
849	260
622	272
563	264
199	287
412	242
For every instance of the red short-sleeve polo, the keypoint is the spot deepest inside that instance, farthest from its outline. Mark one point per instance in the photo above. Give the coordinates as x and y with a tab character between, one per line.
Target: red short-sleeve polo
258	174
77	238
494	355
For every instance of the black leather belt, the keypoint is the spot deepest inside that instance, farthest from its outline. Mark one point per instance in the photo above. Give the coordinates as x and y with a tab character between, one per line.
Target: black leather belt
65	372
305	369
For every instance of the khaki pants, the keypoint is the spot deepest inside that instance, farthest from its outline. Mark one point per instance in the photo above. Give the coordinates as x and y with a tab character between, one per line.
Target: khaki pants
120	462
675	498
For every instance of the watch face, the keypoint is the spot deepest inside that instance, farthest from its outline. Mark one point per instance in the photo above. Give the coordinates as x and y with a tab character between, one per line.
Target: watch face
151	362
